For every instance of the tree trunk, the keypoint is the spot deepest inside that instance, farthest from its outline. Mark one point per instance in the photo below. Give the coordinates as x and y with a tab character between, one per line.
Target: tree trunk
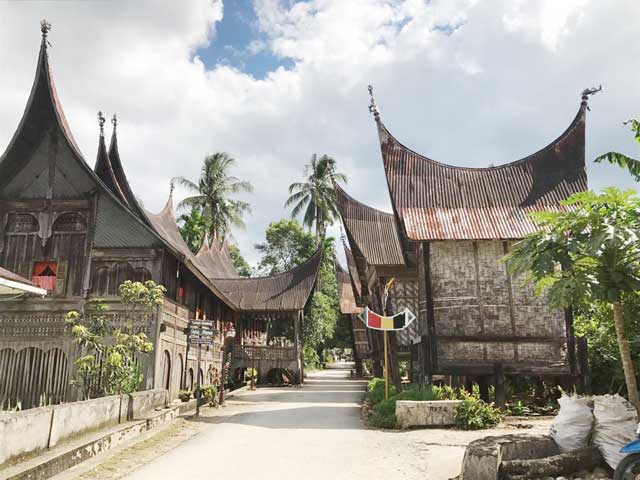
625	356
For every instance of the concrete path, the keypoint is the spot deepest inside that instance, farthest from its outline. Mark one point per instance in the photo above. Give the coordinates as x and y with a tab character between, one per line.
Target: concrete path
310	433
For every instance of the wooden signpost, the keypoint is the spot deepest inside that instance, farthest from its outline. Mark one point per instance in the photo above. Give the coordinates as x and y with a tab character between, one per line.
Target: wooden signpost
375	321
201	332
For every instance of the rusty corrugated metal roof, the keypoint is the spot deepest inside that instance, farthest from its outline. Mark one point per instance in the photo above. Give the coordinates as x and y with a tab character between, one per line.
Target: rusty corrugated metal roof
353	273
436	201
374	232
287	291
348	304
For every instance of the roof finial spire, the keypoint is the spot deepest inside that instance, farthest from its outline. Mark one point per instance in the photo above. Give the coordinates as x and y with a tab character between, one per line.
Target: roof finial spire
114	122
45	28
101	121
172	186
587	92
373	107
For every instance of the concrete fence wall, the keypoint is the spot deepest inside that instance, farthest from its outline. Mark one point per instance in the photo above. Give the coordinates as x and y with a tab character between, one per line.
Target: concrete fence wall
36	429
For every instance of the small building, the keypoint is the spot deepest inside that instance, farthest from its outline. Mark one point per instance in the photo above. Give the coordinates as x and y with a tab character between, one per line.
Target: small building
444	243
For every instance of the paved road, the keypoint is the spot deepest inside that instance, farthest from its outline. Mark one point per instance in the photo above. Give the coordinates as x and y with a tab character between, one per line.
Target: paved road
310	433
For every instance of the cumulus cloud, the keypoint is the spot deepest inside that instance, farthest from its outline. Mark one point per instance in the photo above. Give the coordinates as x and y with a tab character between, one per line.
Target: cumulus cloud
467	82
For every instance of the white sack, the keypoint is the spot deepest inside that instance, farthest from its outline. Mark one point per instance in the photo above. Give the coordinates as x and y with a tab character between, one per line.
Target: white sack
571	428
615	426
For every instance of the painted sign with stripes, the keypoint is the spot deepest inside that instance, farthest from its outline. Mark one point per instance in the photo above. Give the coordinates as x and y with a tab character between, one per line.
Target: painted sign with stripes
399	321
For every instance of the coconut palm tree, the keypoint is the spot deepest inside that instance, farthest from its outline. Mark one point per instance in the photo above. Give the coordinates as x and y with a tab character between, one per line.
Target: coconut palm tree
212	195
316	195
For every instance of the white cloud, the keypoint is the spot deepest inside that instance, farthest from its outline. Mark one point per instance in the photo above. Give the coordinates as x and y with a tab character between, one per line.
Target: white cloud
504	83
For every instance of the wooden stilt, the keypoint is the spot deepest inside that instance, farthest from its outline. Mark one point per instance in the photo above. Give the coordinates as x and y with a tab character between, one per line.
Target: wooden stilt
501	399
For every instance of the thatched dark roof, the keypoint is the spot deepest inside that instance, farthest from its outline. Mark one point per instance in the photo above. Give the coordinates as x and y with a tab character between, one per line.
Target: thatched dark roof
287	291
216	260
435	201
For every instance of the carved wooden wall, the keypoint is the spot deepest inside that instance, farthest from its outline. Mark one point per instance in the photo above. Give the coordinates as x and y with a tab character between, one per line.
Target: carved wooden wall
32	376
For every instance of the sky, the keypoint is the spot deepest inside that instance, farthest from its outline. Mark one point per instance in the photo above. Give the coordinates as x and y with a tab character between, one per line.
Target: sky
466	82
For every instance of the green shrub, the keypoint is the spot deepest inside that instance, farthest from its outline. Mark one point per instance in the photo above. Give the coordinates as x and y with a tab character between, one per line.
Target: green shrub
475	414
518	408
210	394
376	420
376	390
184	395
311	358
420	393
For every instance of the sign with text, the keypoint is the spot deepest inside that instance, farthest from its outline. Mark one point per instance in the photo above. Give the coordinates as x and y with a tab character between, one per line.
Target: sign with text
200	341
201	323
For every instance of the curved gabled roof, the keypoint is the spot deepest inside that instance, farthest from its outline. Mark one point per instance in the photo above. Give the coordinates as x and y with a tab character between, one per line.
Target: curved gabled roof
353	272
105	172
287	291
164	224
42	113
121	178
346	295
215	260
437	201
374	232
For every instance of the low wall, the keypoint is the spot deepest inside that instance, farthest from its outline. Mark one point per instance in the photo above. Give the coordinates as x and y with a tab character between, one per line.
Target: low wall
30	431
24	432
437	413
142	402
78	417
483	457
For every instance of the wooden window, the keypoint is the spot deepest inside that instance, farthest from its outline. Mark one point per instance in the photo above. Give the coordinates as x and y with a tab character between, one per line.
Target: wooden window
45	275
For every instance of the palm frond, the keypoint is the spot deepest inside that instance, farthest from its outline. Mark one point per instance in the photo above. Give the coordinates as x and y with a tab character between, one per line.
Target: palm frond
622	161
186	183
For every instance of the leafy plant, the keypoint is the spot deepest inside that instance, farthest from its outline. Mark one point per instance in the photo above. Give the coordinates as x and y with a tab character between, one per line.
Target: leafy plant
518	409
588	252
377	420
311	358
475	414
375	390
620	159
109	363
210	395
286	246
193	226
184	395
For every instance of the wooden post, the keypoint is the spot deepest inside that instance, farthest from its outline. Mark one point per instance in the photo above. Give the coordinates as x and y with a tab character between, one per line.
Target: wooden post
501	399
199	386
386	365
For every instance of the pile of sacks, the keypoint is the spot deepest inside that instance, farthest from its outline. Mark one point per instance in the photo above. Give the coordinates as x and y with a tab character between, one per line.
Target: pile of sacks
608	422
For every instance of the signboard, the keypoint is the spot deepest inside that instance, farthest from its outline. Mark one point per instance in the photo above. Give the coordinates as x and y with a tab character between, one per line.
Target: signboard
202	332
200	341
201	323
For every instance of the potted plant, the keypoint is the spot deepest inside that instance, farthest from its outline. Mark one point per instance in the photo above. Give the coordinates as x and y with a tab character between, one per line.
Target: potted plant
251	374
184	395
